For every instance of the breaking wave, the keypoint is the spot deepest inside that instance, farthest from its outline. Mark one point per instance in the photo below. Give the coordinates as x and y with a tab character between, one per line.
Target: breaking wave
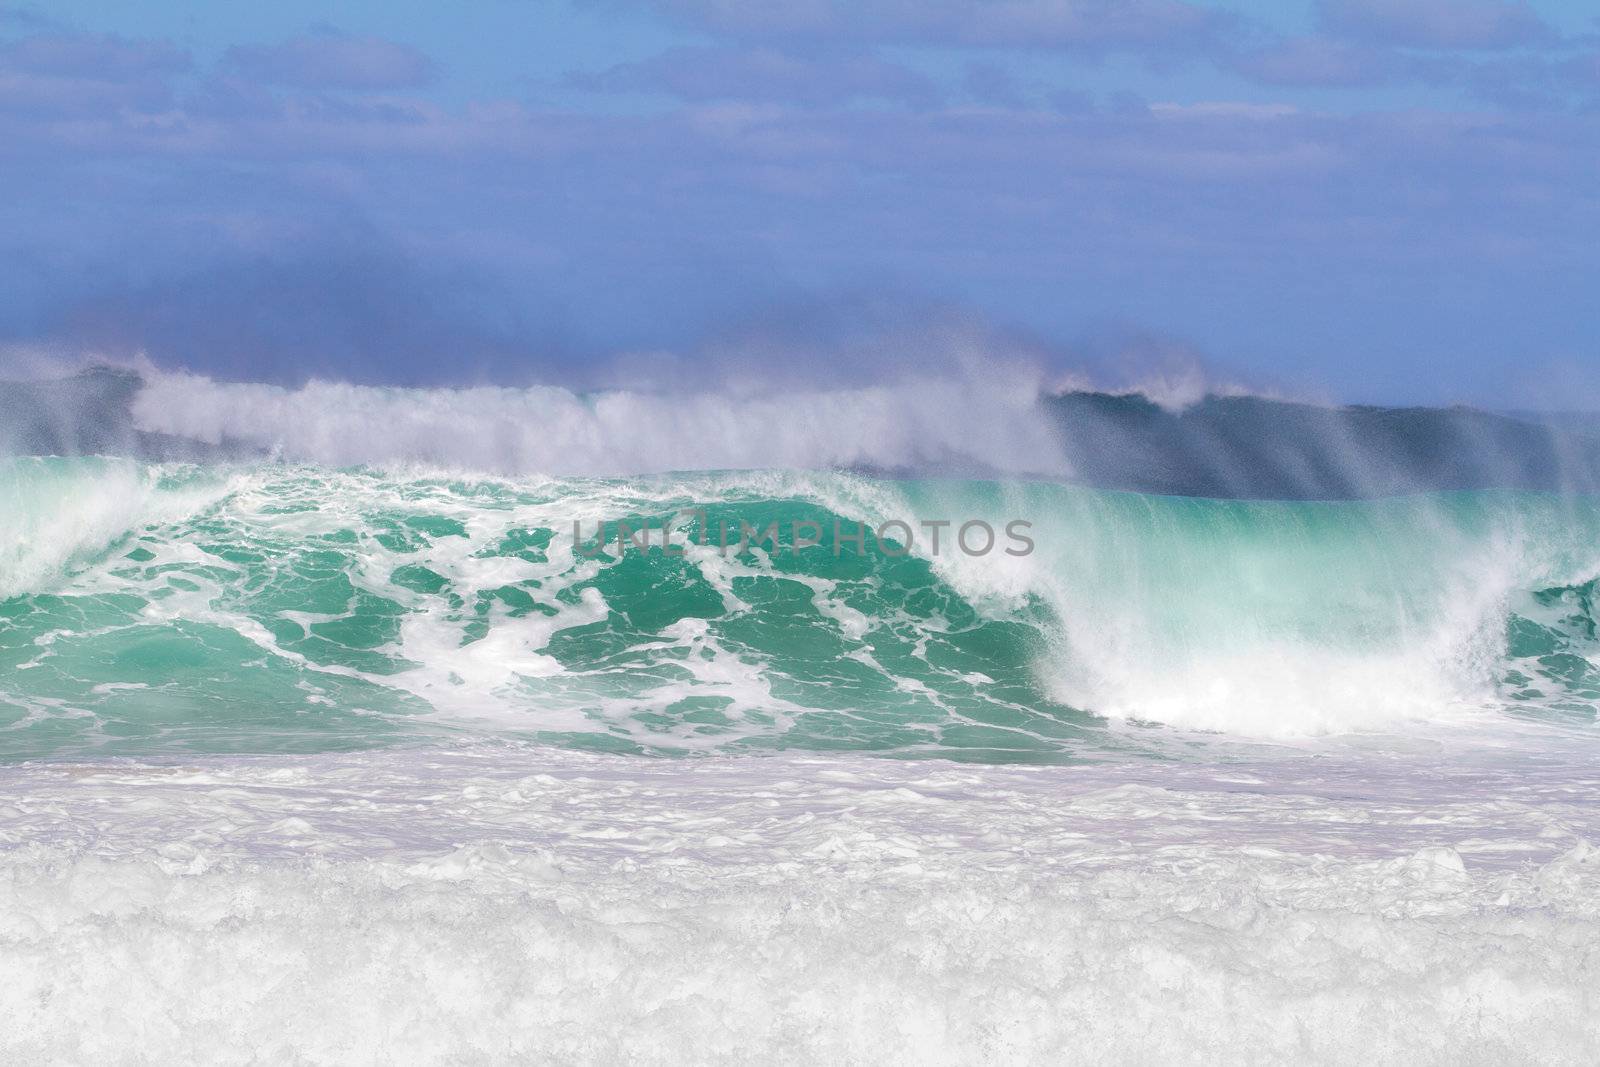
266	606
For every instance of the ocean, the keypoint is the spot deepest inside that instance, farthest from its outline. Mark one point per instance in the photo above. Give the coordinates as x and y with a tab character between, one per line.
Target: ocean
943	721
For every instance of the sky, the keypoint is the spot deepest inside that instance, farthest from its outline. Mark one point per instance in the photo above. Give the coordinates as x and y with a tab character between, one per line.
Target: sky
1366	200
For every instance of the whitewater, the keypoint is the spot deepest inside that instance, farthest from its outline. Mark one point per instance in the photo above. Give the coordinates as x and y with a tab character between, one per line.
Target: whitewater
346	724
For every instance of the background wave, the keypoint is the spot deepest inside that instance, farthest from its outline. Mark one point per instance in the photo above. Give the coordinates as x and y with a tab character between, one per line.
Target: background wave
961	420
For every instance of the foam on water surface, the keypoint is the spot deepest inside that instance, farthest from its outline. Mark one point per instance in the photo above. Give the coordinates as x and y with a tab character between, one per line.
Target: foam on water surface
492	902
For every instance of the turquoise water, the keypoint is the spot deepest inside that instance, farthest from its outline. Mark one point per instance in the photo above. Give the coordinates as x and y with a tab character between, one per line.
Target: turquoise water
278	608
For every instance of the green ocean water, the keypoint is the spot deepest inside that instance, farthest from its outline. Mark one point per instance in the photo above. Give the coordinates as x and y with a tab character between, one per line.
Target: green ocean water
148	609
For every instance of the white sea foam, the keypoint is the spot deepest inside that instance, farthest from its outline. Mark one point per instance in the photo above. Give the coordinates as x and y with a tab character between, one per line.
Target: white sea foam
56	515
496	903
1277	619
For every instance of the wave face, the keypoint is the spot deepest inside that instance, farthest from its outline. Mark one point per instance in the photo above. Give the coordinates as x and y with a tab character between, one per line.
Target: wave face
272	607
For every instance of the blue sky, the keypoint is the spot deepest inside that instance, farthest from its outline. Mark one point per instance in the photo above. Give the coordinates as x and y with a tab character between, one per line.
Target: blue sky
1377	200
